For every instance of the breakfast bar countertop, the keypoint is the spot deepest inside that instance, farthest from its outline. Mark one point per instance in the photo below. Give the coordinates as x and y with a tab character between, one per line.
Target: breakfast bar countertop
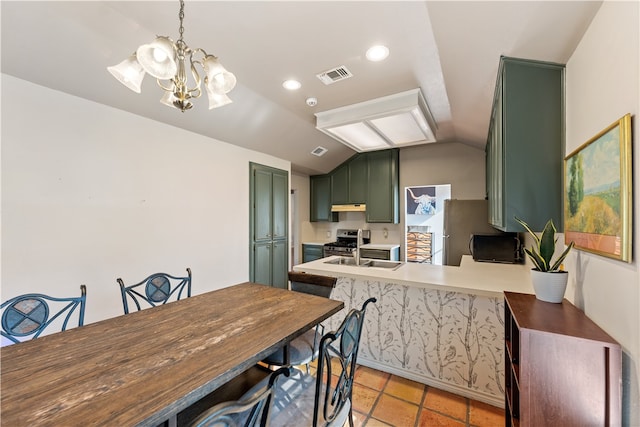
478	278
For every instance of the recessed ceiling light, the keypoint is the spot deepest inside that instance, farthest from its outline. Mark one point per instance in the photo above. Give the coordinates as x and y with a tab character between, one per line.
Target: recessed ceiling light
291	84
377	53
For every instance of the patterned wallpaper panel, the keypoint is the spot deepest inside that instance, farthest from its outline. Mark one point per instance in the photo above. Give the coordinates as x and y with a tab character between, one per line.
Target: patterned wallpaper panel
452	338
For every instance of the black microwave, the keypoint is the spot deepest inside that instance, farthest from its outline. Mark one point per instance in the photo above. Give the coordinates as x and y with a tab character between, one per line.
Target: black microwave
502	248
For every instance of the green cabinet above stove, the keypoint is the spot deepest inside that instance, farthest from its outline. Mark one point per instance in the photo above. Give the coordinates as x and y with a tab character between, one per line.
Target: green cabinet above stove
370	178
349	181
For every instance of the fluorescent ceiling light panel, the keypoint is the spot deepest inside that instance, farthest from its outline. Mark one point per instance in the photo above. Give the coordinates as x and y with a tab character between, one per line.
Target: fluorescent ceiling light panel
361	135
398	120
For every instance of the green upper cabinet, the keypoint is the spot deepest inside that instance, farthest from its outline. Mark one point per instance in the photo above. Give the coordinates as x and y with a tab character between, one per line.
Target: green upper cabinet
525	145
383	197
320	209
349	181
370	178
358	169
340	185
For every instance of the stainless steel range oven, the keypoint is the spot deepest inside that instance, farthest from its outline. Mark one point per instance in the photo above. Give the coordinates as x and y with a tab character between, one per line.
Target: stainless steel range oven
346	243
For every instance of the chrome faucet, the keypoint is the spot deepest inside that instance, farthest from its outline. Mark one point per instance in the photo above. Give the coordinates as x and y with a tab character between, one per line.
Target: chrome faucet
358	244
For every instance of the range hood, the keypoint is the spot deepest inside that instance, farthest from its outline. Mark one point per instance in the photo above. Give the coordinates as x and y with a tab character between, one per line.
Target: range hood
360	207
398	120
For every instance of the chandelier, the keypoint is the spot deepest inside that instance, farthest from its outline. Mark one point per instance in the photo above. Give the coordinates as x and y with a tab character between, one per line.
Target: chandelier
166	60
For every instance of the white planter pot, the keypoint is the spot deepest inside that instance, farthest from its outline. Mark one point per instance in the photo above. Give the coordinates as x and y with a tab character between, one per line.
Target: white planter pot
549	286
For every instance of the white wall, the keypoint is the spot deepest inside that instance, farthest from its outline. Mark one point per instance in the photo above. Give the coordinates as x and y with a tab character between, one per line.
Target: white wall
303	228
602	86
91	193
452	163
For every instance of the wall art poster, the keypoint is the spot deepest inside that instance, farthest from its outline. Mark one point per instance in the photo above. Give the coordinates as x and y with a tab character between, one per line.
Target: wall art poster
598	197
421	200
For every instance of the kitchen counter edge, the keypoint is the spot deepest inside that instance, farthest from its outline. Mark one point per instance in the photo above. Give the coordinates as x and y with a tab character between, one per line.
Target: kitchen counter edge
478	278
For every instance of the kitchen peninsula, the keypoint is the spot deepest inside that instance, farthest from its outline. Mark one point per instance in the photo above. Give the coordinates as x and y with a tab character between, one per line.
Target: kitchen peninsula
439	325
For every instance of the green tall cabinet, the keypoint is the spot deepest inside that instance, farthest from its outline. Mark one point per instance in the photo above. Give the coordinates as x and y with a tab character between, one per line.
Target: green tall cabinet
269	201
525	145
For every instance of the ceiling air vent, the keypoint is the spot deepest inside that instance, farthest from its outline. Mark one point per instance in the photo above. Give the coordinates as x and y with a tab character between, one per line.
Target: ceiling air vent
335	75
319	151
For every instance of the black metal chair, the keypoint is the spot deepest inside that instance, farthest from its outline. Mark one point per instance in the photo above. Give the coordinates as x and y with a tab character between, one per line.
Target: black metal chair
296	402
304	349
159	288
25	317
251	410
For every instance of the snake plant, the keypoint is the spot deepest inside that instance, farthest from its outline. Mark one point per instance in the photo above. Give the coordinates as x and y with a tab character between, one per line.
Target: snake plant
545	245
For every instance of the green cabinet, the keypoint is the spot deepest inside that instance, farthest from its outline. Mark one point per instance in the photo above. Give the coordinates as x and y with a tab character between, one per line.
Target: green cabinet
349	181
358	184
525	145
312	252
320	206
383	194
367	178
340	185
269	194
270	263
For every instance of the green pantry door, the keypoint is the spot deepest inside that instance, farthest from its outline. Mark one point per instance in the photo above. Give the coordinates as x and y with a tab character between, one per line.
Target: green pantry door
269	194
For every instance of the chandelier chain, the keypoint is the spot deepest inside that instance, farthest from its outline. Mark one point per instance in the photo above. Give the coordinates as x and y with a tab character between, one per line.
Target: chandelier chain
181	16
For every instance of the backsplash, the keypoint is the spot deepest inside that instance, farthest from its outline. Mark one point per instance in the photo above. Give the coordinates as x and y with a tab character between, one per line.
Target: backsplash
326	231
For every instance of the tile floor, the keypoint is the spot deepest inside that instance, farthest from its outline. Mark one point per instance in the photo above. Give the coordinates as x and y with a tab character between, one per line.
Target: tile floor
382	399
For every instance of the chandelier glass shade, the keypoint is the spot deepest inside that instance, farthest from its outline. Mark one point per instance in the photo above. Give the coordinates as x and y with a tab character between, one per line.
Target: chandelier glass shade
166	61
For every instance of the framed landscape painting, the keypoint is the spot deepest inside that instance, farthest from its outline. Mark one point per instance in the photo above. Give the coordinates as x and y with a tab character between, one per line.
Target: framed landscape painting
598	197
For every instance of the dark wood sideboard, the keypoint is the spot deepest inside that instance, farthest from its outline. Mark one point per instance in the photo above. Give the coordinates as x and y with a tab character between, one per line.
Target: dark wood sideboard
561	369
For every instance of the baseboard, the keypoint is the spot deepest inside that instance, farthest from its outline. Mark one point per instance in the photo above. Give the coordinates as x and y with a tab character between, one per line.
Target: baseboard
460	391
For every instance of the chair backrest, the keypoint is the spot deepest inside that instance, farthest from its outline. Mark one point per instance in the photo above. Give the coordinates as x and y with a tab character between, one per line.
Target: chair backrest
312	283
251	410
338	351
159	288
26	316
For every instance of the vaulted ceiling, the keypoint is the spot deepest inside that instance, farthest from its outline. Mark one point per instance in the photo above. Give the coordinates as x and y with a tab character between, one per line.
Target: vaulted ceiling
449	49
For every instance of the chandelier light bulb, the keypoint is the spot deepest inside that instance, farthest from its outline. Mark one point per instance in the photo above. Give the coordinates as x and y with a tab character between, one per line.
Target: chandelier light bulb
159	55
158	58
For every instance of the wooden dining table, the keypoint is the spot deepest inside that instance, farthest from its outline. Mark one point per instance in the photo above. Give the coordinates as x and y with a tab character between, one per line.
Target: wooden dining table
143	368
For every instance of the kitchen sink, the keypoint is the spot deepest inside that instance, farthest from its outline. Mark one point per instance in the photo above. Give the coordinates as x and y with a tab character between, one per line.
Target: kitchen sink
390	265
343	260
365	263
